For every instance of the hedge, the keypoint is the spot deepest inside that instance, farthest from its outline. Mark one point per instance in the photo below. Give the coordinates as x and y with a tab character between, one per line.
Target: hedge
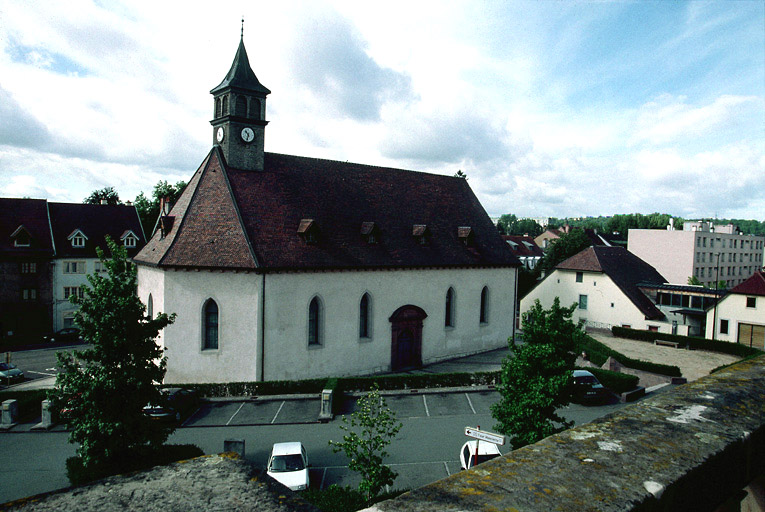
692	342
598	353
615	381
28	401
274	387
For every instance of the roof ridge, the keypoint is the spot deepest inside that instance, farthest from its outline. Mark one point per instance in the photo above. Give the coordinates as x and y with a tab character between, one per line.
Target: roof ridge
359	164
235	203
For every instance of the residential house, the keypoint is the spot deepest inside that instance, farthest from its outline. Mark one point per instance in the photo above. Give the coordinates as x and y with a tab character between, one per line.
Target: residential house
287	267
26	270
46	251
78	229
708	252
525	249
551	234
739	317
605	284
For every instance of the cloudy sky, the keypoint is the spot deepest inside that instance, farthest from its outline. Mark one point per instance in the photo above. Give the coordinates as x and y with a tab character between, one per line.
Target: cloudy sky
551	108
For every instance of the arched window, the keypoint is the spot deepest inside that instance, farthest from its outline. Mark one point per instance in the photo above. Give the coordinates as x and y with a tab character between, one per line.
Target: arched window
449	309
241	106
485	305
217	107
210	333
255	108
150	307
314	322
225	105
364	330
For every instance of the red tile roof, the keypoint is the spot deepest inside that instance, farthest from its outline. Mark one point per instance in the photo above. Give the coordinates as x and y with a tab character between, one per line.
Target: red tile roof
624	268
524	246
254	216
95	221
755	285
32	214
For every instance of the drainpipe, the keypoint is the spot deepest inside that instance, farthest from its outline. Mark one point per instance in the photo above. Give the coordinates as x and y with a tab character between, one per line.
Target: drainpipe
263	329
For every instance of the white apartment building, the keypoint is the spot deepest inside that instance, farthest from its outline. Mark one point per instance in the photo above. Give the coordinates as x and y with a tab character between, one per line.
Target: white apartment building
708	252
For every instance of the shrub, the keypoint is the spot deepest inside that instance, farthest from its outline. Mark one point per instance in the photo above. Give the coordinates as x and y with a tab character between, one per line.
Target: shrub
598	353
615	381
724	347
29	403
343	499
130	460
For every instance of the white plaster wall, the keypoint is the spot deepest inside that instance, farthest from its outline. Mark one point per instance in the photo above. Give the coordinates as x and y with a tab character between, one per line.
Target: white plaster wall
288	356
185	293
152	281
733	309
61	306
601	294
671	253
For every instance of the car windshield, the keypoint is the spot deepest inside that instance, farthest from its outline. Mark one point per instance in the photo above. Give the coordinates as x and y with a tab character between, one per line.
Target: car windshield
282	463
586	379
7	366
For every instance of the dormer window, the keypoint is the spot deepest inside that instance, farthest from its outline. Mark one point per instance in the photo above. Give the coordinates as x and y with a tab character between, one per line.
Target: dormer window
513	244
77	238
465	235
421	233
21	237
129	239
370	232
308	231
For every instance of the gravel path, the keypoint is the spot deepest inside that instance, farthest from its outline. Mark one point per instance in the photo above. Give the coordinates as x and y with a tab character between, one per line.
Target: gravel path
694	364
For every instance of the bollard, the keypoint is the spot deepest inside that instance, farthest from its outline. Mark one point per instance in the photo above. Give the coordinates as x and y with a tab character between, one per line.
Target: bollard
46	421
326	406
234	445
10	413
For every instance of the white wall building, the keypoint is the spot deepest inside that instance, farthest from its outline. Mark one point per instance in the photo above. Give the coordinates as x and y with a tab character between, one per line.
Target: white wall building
740	316
709	253
604	283
284	267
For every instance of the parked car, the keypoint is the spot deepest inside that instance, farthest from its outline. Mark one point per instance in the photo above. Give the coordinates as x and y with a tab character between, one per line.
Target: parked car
587	388
9	372
178	403
65	335
288	465
486	451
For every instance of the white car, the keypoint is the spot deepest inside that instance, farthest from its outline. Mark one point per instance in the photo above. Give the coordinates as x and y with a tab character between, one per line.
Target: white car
486	451
288	465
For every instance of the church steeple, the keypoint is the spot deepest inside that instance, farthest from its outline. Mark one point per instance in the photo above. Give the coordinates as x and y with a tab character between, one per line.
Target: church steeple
240	114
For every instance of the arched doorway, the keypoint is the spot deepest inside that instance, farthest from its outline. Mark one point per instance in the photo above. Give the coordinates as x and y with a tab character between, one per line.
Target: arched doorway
406	338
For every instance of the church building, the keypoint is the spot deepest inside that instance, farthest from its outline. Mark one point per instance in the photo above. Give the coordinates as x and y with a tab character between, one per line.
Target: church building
288	267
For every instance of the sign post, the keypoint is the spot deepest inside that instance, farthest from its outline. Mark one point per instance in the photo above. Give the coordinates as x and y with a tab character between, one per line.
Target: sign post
482	435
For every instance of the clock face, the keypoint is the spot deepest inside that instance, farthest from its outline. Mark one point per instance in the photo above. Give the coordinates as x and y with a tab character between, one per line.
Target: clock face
248	135
219	134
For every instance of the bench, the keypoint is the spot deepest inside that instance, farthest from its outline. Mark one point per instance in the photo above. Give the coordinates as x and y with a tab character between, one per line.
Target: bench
666	343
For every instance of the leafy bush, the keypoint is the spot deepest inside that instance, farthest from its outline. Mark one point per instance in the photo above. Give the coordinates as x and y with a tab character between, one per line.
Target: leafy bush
598	353
134	459
724	347
343	499
615	381
29	403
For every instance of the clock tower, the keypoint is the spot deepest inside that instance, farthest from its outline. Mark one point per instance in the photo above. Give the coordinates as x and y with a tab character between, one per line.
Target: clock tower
239	122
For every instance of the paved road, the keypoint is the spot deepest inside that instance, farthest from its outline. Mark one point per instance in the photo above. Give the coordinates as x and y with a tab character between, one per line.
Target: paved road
40	363
426	449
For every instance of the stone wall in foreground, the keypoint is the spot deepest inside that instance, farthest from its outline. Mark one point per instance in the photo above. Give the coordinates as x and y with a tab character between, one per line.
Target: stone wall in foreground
694	448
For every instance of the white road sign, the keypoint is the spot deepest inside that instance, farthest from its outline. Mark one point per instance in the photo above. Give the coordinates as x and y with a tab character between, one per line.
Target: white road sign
482	435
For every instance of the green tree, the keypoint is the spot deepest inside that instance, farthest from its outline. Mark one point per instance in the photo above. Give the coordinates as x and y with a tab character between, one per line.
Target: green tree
564	247
148	209
108	193
102	390
371	428
535	378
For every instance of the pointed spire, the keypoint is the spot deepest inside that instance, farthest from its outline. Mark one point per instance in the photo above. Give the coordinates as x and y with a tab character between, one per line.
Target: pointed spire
241	75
